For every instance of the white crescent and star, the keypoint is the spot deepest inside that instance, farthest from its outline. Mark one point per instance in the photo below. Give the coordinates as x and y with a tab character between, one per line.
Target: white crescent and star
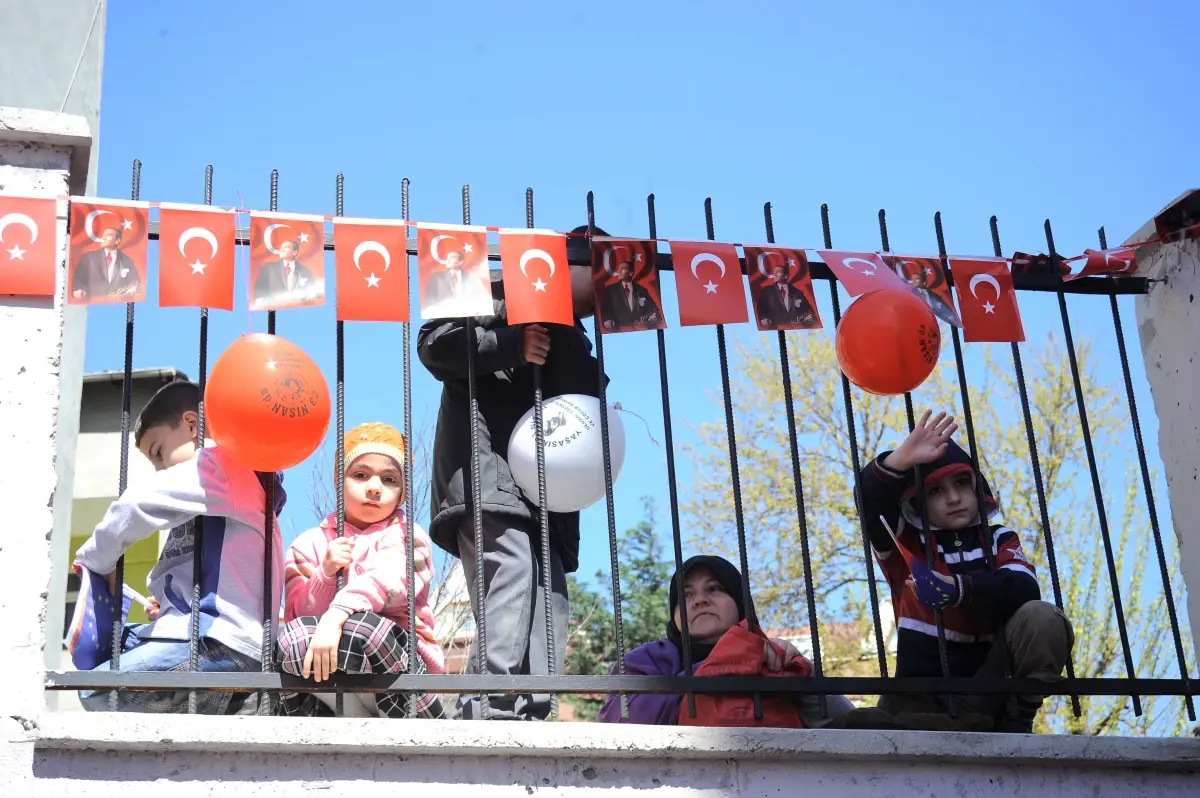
91	218
16	253
202	233
868	269
607	259
271	228
372	246
708	257
988	307
762	262
537	254
1128	263
433	248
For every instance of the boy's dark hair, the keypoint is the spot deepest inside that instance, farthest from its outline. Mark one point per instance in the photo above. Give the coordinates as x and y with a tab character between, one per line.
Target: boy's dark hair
167	407
577	244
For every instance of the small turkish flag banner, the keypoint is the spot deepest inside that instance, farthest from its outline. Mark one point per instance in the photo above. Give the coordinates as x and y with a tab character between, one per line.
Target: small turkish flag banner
452	271
625	282
287	261
107	261
708	280
1106	261
861	272
987	300
196	245
537	280
927	280
364	250
781	290
28	245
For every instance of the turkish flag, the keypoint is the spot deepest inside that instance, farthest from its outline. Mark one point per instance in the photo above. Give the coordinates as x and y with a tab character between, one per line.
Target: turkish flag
537	279
861	272
107	260
987	300
452	271
364	252
196	245
287	261
28	245
1106	261
927	280
781	291
708	280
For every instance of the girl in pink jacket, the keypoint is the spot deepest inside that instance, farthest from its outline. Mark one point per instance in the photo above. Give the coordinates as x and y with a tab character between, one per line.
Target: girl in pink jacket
362	628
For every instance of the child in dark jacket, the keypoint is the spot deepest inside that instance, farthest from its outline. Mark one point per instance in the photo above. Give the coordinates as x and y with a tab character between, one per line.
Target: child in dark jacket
978	598
714	605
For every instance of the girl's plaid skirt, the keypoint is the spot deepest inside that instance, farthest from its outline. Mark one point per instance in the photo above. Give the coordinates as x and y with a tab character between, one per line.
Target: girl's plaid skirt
370	644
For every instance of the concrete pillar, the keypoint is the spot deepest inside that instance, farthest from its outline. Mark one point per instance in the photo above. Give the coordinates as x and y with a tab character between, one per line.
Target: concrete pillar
1168	319
42	154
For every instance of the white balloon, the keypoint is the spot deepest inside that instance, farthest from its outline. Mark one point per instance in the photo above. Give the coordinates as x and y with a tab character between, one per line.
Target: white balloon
19	218
267	236
574	455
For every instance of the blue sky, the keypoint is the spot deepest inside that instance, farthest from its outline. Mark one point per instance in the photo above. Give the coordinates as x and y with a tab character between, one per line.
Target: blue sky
1025	110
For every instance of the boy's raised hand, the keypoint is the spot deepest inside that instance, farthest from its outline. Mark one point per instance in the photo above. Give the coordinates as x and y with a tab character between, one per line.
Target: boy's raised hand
926	443
537	344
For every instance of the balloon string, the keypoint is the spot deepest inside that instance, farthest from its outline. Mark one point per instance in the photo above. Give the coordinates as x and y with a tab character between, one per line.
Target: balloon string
617	407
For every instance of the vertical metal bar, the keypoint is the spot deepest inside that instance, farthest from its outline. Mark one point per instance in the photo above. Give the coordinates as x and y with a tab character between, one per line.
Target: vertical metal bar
1035	463
123	475
1101	514
340	474
613	561
672	488
410	703
198	522
855	463
735	475
539	436
270	608
1149	489
928	540
474	499
794	445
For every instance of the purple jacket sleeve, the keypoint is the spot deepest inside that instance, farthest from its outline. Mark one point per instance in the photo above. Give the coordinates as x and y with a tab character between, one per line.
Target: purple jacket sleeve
659	658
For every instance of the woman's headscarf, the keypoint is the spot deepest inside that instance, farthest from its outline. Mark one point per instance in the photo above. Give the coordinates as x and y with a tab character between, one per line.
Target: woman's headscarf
729	578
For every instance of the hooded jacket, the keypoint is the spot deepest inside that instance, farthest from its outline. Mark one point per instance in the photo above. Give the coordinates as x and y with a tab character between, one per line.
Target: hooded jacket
989	594
504	392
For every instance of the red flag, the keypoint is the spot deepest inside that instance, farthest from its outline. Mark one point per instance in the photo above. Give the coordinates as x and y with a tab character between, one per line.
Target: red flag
708	279
287	261
625	281
107	261
364	252
28	245
1106	261
537	278
781	290
452	272
926	279
861	272
195	256
987	300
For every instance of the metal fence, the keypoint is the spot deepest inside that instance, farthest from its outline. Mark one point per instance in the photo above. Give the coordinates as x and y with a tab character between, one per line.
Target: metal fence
1046	281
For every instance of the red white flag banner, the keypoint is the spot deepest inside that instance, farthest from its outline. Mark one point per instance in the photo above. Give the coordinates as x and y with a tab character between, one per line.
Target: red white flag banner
452	271
927	280
1106	261
196	245
287	260
987	300
371	260
28	245
708	279
861	272
625	280
537	278
781	289
107	260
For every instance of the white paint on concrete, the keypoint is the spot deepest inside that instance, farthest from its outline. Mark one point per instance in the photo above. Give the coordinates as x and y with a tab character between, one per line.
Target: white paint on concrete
1168	319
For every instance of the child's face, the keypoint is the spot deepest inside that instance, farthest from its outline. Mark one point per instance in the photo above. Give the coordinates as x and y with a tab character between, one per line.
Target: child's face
711	611
165	446
374	487
582	297
952	502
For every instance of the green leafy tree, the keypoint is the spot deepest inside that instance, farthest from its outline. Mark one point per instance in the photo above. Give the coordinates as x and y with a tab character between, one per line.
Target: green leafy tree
838	558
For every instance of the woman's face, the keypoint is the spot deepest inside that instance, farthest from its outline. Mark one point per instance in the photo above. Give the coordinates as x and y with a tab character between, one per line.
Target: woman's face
711	612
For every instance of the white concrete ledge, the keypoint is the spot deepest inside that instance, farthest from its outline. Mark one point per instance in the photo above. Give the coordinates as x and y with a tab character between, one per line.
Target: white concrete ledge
250	735
35	128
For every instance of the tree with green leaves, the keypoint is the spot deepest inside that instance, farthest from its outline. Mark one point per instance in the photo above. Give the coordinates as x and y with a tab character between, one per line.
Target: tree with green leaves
839	562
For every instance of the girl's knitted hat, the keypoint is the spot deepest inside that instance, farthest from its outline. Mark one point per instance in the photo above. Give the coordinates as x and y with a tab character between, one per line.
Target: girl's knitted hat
374	438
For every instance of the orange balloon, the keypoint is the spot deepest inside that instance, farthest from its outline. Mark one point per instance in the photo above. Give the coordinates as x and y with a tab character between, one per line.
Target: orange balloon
888	342
267	403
